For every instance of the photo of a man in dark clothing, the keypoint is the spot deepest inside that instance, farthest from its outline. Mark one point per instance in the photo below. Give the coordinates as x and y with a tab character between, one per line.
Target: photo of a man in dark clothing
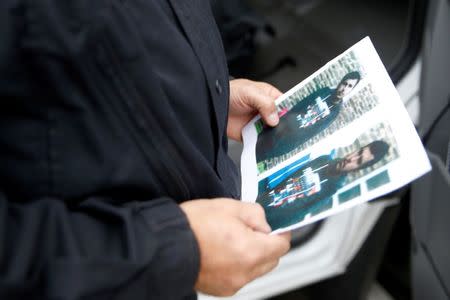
307	118
307	188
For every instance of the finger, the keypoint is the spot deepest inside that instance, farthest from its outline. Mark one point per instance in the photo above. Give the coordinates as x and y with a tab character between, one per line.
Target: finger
275	245
268	251
263	269
267	108
253	216
286	235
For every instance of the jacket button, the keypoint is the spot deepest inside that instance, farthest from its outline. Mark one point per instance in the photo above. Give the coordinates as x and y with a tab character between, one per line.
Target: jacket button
218	87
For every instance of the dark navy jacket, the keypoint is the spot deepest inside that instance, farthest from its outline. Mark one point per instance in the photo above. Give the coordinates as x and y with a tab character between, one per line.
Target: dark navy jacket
111	113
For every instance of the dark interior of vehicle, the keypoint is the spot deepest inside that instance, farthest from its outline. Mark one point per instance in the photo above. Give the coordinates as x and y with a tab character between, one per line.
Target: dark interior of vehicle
293	38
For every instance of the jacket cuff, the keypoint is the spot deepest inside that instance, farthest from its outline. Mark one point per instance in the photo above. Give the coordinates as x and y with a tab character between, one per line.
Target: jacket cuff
178	254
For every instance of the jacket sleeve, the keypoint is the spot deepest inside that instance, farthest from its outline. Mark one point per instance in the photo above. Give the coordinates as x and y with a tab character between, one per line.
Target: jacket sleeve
94	250
144	250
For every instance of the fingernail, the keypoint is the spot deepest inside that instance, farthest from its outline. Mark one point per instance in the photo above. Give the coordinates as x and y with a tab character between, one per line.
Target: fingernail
273	118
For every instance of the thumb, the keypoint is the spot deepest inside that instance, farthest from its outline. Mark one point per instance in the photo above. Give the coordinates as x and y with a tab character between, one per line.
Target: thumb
269	113
267	107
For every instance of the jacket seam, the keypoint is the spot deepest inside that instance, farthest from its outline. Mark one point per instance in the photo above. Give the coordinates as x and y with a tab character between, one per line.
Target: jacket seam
50	184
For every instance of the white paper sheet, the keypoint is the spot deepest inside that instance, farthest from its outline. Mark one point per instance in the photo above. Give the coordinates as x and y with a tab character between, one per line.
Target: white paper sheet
330	153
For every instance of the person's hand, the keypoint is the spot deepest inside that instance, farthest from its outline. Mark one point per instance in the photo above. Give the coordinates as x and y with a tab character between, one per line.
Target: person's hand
247	99
234	243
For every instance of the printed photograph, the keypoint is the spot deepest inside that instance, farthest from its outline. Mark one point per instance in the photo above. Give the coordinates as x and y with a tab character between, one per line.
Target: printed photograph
314	112
308	186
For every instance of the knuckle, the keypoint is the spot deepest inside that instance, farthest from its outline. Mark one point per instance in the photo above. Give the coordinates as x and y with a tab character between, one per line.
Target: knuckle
273	265
286	246
233	284
259	210
227	291
270	266
238	282
269	103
